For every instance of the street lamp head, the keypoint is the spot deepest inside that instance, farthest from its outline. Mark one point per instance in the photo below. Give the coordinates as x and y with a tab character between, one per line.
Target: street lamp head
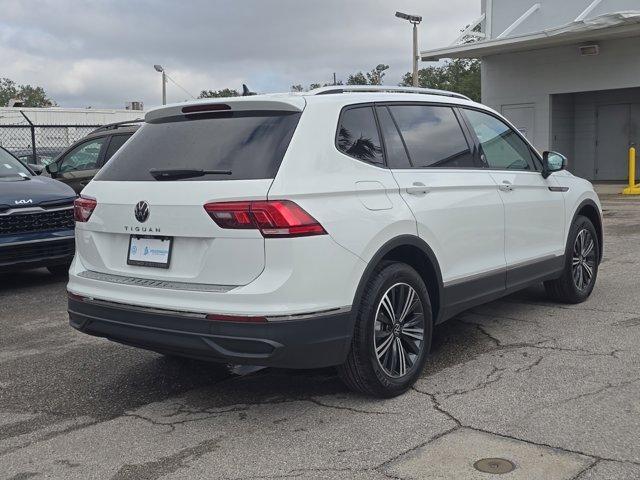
158	68
411	18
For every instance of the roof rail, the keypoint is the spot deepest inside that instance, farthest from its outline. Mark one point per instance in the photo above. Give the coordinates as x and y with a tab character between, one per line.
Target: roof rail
113	126
381	88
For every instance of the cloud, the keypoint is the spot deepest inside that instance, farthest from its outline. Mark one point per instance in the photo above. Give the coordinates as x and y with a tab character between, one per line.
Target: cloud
102	53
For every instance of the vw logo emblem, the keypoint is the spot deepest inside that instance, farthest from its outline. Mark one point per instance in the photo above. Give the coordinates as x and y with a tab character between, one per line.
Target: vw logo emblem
141	211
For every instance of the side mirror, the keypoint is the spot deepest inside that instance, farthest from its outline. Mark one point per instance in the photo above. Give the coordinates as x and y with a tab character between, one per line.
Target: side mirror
53	168
552	162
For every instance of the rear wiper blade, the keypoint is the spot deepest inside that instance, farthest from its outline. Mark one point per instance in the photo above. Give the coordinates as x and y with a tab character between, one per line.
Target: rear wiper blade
176	174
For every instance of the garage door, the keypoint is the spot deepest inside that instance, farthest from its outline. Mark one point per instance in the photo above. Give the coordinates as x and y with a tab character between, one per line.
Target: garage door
618	127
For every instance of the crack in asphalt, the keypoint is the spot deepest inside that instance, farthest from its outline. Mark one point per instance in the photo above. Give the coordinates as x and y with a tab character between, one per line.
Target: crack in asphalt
500	345
572	308
438	406
213	413
498	372
582	472
531	366
380	468
156	469
605	387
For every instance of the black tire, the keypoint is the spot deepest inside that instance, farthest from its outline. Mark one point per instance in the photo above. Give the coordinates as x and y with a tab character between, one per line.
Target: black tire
363	371
59	270
570	287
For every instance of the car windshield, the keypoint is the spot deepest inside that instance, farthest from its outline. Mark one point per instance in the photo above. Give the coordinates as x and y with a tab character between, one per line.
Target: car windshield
10	166
249	145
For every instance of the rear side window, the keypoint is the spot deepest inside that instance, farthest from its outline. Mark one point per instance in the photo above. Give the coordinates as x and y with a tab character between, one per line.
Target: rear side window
250	144
358	135
433	136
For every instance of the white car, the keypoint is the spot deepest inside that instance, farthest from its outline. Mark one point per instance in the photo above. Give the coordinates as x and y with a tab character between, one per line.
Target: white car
329	228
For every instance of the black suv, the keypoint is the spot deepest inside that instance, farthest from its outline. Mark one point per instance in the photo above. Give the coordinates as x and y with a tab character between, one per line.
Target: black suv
78	164
36	219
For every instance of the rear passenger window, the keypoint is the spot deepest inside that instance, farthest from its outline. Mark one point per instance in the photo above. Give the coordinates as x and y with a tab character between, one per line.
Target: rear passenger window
502	148
433	136
396	153
358	135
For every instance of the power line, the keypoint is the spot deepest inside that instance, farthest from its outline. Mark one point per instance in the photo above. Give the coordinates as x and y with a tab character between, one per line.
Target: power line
180	86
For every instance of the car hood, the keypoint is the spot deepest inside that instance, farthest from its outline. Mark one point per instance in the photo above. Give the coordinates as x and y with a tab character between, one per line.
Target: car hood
19	192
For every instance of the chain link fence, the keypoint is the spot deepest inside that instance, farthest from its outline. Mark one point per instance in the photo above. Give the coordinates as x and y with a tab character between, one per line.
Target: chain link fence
40	144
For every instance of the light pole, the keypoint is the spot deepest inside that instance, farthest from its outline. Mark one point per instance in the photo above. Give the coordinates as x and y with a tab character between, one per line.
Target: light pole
164	82
414	20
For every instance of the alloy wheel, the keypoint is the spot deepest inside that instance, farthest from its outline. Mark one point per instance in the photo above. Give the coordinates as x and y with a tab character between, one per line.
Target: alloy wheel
583	263
399	330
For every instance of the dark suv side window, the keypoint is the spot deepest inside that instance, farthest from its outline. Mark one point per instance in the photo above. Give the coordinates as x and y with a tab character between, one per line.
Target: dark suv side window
114	145
433	136
85	156
358	137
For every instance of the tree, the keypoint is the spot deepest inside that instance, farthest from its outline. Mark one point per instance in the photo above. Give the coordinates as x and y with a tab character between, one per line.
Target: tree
30	96
312	86
461	75
374	77
225	92
357	79
377	74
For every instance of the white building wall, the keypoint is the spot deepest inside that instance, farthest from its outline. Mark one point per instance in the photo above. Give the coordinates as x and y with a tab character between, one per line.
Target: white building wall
531	77
66	116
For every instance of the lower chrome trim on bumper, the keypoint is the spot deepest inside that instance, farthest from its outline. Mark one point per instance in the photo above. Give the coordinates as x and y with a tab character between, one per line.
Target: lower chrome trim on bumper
152	283
182	313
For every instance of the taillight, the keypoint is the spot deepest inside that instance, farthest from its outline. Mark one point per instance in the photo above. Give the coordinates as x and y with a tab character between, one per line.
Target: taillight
83	208
274	218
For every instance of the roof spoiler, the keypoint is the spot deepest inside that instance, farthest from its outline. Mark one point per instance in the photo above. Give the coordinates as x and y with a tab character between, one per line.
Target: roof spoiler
231	104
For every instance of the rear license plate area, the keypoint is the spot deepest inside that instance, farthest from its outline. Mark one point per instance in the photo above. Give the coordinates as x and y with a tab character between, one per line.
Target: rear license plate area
149	251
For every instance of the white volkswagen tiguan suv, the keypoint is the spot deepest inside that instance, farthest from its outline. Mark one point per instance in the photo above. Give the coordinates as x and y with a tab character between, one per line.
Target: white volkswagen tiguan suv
329	228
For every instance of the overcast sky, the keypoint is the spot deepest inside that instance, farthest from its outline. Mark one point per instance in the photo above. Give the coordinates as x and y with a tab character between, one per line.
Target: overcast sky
101	53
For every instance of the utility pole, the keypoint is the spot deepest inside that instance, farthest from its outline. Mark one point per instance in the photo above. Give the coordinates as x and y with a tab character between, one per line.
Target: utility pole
414	20
415	54
334	78
160	68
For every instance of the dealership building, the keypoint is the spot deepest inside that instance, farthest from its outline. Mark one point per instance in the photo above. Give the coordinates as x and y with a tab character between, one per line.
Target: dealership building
565	72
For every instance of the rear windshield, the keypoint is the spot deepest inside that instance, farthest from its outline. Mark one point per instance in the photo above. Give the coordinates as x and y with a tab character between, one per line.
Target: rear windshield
250	144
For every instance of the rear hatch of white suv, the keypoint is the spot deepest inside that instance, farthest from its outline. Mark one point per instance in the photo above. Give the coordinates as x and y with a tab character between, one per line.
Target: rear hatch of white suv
174	203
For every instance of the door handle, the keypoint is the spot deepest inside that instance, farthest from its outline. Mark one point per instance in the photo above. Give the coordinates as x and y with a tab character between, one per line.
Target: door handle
418	188
505	186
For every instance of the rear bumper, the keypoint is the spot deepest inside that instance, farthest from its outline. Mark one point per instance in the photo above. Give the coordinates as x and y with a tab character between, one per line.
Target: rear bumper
44	251
320	341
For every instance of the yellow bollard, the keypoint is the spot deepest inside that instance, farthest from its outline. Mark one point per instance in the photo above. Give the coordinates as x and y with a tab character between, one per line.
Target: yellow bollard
633	188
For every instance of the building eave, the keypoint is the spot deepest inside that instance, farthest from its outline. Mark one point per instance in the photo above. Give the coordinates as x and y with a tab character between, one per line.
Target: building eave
617	25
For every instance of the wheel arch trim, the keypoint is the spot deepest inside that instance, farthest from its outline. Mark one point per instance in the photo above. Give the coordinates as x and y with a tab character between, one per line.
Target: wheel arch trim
401	241
599	226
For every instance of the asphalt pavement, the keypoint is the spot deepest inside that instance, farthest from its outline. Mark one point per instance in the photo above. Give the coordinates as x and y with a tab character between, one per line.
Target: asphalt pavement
551	391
